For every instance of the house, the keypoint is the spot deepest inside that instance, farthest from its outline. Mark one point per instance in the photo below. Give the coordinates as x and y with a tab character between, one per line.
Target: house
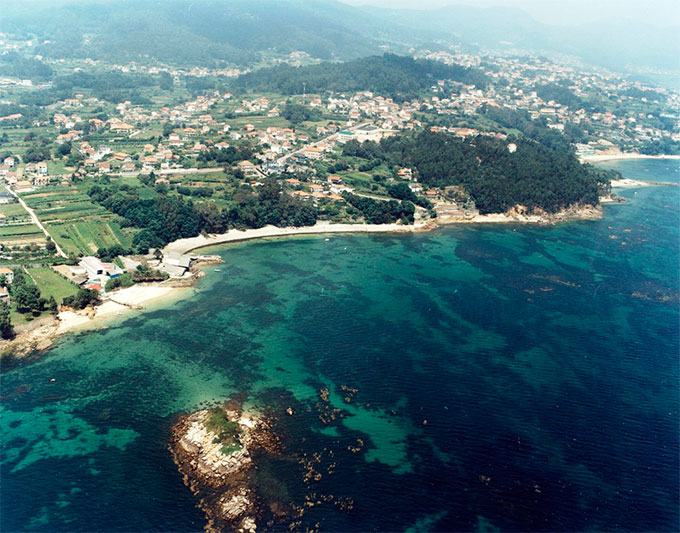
41	181
4	295
405	173
23	185
94	267
312	152
345	136
248	169
41	168
120	127
8	273
7	198
175	264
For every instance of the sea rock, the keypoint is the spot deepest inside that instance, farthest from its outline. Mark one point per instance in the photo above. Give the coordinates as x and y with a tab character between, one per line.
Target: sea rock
221	479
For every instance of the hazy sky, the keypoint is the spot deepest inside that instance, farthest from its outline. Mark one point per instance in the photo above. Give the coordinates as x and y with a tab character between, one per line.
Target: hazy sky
658	12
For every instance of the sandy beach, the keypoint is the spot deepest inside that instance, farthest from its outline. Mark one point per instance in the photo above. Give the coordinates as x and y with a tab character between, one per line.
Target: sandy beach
599	158
627	182
183	246
119	303
137	297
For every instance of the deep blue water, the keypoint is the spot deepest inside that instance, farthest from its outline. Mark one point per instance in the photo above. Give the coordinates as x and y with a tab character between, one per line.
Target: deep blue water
514	378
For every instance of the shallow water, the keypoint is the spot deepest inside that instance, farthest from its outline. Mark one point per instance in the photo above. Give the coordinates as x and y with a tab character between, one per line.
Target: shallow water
514	377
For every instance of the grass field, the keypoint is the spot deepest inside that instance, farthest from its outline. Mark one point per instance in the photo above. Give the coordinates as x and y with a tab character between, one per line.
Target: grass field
52	284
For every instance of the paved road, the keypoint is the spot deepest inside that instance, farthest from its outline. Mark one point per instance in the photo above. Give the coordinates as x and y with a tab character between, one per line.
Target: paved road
284	158
36	221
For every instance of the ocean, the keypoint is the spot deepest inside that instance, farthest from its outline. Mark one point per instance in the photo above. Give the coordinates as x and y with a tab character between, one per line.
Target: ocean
480	378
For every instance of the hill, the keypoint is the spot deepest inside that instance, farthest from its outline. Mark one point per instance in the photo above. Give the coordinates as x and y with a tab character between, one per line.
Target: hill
239	32
389	75
206	32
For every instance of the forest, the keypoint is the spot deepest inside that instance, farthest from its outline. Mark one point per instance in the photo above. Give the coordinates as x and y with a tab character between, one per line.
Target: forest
168	218
496	179
537	130
398	77
560	94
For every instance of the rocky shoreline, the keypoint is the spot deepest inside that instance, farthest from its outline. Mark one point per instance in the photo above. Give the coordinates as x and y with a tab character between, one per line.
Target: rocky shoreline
219	474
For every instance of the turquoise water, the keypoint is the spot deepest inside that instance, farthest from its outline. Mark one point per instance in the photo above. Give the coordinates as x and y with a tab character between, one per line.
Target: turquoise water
518	378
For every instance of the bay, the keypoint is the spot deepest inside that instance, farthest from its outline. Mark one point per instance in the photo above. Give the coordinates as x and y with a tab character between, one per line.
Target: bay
506	377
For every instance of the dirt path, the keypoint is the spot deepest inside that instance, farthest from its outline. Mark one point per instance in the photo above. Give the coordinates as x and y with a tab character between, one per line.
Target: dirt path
37	222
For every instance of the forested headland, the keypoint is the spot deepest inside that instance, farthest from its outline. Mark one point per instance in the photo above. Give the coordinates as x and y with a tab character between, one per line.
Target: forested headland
495	177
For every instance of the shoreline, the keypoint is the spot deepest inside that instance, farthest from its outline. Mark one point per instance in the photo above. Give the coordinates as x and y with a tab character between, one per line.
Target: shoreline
140	297
600	158
119	304
184	246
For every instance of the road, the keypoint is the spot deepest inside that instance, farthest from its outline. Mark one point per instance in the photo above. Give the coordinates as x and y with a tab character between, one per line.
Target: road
283	159
37	222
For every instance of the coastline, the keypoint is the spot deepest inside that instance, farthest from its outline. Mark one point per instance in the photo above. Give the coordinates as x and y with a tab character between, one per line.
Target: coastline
514	216
599	158
119	304
140	297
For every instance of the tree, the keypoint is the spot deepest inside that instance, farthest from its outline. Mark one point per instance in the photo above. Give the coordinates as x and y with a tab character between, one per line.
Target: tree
82	299
6	329
27	299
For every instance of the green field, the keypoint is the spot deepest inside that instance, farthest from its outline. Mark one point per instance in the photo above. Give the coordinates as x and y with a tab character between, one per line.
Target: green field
87	236
13	211
19	230
52	284
76	223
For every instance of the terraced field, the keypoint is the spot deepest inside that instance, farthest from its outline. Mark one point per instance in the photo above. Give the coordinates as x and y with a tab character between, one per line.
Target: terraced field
77	224
18	230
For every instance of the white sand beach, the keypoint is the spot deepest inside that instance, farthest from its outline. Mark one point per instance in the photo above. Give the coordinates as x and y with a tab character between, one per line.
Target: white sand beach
137	297
183	246
598	158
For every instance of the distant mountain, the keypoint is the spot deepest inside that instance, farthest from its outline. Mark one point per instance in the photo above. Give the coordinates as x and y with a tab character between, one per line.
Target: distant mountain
612	43
238	31
193	32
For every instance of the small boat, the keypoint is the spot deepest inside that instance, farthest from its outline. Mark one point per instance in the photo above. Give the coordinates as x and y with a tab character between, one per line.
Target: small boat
217	270
327	240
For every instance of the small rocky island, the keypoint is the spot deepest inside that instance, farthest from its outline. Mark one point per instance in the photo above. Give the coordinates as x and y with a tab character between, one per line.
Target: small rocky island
216	450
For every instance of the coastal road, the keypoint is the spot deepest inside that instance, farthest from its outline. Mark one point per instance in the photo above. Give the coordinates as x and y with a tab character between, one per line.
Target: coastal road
37	222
